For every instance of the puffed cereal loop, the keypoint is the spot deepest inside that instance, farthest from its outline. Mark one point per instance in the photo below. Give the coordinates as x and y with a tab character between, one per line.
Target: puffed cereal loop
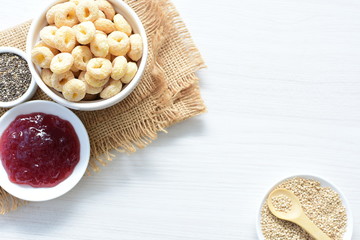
89	89
122	25
46	76
106	8
99	45
75	70
42	56
104	25
89	97
136	47
82	75
119	66
65	15
109	57
85	32
47	34
100	32
61	63
65	39
130	72
99	68
87	10
50	14
95	82
101	14
119	43
76	2
43	44
112	89
74	90
82	55
58	80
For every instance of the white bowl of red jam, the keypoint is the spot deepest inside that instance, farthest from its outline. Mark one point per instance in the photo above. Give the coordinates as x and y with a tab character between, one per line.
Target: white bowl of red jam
44	150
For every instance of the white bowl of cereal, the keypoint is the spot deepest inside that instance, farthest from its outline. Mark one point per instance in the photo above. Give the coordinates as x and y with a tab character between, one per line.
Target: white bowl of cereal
322	202
86	54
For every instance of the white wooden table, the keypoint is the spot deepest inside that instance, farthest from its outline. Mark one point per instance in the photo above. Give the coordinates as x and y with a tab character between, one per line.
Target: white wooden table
283	92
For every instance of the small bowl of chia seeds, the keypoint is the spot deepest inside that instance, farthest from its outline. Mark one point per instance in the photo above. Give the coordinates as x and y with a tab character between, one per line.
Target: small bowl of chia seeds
323	203
16	82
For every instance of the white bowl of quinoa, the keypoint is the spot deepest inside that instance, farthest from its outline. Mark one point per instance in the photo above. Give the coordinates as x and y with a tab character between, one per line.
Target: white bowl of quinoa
322	202
16	82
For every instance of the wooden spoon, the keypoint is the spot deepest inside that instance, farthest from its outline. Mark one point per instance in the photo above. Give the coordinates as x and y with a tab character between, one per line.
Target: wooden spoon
295	214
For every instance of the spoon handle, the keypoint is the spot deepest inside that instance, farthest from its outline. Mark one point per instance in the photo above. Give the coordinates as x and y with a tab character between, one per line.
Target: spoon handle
310	227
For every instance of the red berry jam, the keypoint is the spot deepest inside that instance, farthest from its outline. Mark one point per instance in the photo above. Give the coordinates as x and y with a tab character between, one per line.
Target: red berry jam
40	150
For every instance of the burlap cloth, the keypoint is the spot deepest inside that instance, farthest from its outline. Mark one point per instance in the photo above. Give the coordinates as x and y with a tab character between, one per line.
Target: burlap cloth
168	92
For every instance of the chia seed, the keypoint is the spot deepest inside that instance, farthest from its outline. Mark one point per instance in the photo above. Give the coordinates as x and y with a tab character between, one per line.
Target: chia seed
15	76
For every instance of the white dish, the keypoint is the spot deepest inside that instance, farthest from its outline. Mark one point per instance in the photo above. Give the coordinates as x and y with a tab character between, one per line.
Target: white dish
32	87
324	183
33	37
41	194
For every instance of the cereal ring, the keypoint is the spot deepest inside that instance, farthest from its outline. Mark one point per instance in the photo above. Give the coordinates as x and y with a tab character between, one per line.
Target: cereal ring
105	25
43	44
75	70
74	90
46	76
50	14
99	68
89	97
66	15
85	32
119	43
131	70
95	82
61	63
136	47
76	2
42	56
99	45
87	10
109	57
118	67
59	80
82	56
47	34
122	25
82	75
101	14
89	89
65	39
106	8
100	32
112	89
